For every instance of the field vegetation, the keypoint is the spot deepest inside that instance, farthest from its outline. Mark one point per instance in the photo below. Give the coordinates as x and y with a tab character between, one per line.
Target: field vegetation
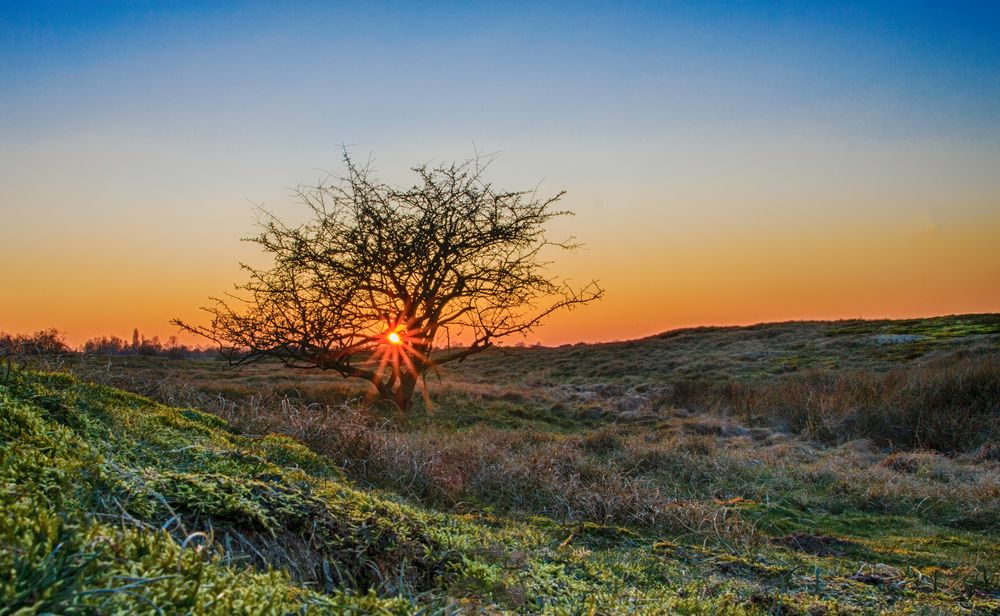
813	468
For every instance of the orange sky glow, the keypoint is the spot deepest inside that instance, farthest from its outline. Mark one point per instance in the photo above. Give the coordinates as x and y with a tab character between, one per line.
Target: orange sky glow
653	283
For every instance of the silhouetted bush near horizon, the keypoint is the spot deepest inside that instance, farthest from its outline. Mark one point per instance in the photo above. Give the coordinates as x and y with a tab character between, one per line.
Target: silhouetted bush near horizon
43	342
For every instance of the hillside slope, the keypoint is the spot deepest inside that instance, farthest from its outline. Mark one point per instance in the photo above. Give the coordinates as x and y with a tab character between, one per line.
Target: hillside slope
753	352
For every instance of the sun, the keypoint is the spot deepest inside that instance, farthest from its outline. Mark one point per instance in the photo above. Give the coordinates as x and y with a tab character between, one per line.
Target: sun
401	351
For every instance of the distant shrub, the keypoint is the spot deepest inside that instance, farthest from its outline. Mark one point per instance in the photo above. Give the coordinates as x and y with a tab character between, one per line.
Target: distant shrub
43	342
105	345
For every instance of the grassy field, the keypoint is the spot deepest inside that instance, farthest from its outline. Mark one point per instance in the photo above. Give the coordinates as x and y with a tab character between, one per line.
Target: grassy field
791	468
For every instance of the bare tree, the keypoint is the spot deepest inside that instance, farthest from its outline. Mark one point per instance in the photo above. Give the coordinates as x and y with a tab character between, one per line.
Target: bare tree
382	279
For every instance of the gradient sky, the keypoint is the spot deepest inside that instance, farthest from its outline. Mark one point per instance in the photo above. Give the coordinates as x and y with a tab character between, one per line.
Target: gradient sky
728	162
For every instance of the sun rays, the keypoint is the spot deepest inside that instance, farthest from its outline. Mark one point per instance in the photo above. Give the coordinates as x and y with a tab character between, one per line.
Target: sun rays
399	355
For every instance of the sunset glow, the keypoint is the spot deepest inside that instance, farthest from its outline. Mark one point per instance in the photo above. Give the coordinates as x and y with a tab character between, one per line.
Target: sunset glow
726	164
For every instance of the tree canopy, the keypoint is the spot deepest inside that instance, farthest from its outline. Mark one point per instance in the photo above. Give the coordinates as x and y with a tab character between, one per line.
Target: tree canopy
384	282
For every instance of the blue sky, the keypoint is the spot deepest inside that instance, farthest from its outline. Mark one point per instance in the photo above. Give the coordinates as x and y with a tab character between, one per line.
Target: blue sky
682	131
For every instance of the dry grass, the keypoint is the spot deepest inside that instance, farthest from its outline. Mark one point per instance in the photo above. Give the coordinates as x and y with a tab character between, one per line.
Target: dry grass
675	477
950	406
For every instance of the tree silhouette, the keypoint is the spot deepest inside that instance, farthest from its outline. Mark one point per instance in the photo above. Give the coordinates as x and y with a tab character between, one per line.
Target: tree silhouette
385	282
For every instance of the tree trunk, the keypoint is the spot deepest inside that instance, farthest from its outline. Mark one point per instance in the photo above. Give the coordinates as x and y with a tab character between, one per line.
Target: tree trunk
403	396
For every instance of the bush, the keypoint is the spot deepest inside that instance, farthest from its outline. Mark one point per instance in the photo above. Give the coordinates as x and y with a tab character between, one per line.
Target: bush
42	342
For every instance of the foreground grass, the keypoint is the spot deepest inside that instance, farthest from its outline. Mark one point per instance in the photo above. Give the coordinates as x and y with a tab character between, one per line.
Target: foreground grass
112	503
519	491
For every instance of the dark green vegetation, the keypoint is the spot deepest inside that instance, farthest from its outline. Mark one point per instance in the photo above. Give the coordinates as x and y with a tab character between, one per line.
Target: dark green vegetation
799	468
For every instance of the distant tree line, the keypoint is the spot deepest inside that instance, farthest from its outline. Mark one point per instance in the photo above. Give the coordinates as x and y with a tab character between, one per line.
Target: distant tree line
53	342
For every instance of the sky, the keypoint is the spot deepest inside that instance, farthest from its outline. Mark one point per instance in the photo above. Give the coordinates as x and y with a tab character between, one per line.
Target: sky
727	163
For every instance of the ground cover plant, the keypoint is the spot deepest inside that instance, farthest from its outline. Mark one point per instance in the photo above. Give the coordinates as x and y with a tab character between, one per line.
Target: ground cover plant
800	468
